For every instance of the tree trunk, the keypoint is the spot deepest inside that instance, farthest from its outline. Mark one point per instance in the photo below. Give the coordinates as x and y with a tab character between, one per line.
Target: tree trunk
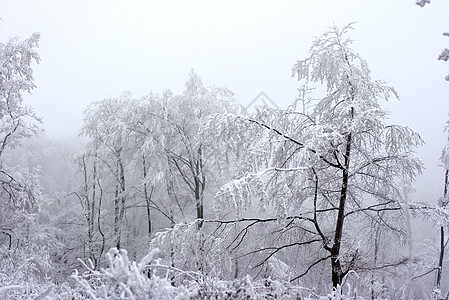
122	190
376	253
147	197
103	238
443	204
117	217
89	209
199	203
337	272
92	211
440	263
120	201
200	182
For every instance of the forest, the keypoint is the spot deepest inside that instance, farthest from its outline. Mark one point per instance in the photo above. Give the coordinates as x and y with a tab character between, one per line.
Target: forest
193	196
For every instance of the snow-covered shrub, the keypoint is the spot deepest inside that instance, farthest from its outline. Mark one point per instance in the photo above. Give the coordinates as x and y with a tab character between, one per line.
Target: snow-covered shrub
24	272
125	279
189	249
247	288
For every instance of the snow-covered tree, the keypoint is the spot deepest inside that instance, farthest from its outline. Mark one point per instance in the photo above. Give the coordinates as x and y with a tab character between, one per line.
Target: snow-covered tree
192	158
20	189
172	128
334	163
444	55
184	166
104	125
24	250
374	158
443	202
422	3
89	194
18	121
149	155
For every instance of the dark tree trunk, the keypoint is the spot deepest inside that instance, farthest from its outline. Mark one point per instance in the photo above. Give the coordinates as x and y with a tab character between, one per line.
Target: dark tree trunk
92	211
147	196
122	191
200	183
116	218
337	272
376	254
119	201
90	208
440	263
103	238
199	205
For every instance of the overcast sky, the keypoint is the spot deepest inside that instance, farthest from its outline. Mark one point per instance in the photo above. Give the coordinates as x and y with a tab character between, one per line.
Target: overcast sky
95	49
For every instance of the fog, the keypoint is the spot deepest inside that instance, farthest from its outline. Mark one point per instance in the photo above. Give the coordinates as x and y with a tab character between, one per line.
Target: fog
92	50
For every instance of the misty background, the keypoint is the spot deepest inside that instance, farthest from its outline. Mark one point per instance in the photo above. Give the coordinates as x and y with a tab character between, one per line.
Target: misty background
91	50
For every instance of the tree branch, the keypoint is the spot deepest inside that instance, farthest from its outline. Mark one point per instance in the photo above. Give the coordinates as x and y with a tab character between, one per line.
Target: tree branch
310	267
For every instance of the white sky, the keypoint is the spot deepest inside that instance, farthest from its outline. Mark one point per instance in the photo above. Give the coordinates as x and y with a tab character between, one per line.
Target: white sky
95	49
